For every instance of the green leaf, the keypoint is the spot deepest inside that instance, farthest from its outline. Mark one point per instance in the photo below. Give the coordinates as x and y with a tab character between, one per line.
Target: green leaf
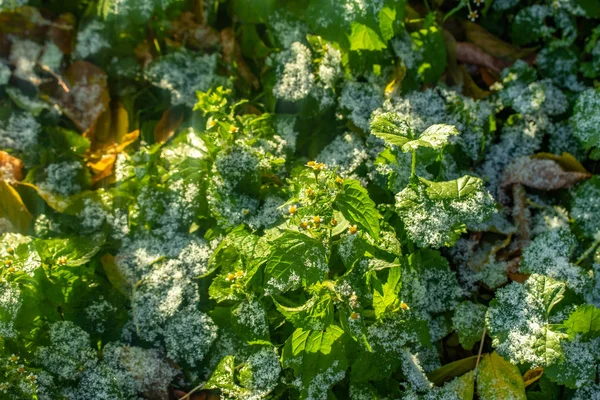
76	250
392	128
312	354
358	208
464	386
452	370
585	321
469	321
254	11
451	190
384	296
387	16
591	7
496	378
585	207
295	258
222	378
316	314
435	137
364	37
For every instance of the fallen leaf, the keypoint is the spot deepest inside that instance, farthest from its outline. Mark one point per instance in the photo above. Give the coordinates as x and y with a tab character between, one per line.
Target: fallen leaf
56	202
521	215
13	209
102	162
565	160
11	168
194	35
540	173
452	370
492	45
85	96
471	54
512	270
232	55
62	32
532	375
168	124
470	88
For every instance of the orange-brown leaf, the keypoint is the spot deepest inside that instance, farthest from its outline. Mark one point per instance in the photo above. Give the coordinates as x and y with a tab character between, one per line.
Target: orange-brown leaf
492	45
11	168
62	32
540	173
194	35
168	124
532	375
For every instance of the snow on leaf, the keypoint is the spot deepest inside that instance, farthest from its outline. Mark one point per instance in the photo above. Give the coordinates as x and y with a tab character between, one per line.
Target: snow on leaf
435	137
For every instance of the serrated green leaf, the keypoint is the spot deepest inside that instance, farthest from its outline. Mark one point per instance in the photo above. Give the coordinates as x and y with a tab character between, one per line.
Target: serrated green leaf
450	190
358	208
317	313
364	37
295	258
392	128
435	137
585	321
384	296
497	377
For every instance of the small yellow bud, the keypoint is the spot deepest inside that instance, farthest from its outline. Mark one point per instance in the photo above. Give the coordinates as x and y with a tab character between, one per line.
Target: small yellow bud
239	274
339	180
309	192
333	222
292	210
355	316
317	220
404	306
8	263
303	225
233	129
62	260
10	250
230	277
12	270
353	230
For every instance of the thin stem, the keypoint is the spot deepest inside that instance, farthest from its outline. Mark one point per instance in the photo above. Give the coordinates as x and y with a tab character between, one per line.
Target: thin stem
191	392
413	166
480	349
588	251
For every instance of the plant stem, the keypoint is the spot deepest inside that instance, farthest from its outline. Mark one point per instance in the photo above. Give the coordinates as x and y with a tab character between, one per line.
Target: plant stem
480	349
588	251
413	166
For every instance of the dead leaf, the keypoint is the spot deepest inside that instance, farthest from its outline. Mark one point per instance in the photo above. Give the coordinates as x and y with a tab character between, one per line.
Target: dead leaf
110	129
521	214
168	124
470	88
62	32
102	162
56	202
194	35
540	173
565	160
23	22
532	375
232	55
86	96
11	168
492	45
143	53
488	76
13	209
395	85
471	54
114	275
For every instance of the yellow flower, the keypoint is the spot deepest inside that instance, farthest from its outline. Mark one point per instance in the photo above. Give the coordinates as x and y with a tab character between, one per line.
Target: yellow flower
303	225
230	277
353	230
239	274
317	220
8	263
233	129
10	250
473	15
292	210
404	306
311	164
62	260
309	192
355	316
339	180
211	123
333	222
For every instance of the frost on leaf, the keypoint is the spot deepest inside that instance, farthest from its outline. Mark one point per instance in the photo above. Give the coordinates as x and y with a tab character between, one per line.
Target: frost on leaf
499	379
542	174
395	130
585	120
519	323
548	255
435	214
468	321
585	207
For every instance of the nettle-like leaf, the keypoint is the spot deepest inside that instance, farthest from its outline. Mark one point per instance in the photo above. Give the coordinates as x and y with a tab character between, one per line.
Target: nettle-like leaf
385	296
497	377
364	37
318	359
519	321
585	123
548	254
395	130
316	314
435	214
585	207
469	321
296	259
357	207
585	320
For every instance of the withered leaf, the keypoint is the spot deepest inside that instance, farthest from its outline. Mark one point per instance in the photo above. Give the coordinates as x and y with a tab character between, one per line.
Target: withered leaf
194	35
471	54
532	375
11	168
565	160
492	45
232	55
168	124
62	32
13	209
540	173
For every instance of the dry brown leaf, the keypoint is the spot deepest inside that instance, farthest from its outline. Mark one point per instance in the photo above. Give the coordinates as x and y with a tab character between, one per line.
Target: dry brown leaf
512	270
13	209
102	162
489	77
62	32
492	45
110	128
540	173
565	160
532	375
143	53
24	22
194	35
232	55
471	54
168	124
11	168
470	88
